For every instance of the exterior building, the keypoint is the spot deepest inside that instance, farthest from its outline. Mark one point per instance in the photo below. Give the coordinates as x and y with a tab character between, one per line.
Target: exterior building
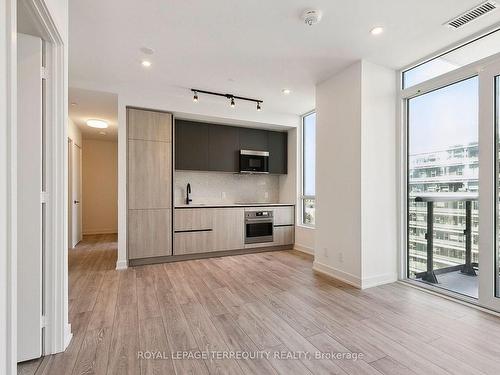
455	169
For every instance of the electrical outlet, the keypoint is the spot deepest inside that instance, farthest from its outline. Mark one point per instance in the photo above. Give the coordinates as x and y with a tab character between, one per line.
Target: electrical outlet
266	195
223	195
341	257
325	252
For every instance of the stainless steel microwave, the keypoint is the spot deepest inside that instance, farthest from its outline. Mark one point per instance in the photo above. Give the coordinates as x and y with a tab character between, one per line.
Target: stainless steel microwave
254	161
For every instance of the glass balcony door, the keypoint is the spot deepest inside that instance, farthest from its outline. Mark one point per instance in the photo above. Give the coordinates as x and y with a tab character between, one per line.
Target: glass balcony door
489	187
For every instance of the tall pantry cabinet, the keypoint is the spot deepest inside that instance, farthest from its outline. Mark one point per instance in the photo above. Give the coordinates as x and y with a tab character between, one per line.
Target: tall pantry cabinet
149	184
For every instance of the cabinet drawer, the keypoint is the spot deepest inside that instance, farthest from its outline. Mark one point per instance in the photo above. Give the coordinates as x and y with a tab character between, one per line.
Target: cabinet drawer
193	242
283	215
284	235
193	219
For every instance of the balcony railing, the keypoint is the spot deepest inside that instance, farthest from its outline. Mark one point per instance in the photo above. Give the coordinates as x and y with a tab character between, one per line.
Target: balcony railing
430	198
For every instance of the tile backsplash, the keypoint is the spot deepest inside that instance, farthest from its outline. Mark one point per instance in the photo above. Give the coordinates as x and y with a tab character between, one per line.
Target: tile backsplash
216	188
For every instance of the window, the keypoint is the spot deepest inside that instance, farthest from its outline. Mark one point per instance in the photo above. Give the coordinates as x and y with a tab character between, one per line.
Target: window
308	196
470	52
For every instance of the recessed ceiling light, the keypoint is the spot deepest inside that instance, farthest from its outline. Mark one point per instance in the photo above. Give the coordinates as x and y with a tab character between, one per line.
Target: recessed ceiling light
74	104
377	30
146	63
100	124
286	91
102	133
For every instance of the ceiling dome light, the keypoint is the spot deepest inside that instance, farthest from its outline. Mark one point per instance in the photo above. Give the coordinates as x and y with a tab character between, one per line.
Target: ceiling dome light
259	107
195	97
232	103
286	91
99	124
146	63
377	30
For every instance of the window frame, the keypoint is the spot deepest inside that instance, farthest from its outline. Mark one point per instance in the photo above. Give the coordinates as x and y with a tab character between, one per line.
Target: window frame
302	197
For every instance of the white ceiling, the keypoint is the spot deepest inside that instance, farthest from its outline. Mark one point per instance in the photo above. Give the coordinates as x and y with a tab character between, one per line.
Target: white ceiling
86	104
252	48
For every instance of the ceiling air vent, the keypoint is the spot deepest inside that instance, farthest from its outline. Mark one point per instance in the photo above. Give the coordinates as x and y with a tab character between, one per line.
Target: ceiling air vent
472	14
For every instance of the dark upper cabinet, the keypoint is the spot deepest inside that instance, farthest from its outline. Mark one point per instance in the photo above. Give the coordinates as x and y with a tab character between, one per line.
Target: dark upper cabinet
191	145
278	152
208	147
223	148
253	139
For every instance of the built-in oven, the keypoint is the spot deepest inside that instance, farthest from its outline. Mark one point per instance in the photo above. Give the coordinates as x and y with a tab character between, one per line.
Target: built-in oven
254	161
259	226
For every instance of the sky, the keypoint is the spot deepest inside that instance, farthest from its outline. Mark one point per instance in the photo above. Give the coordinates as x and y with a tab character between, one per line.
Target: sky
444	118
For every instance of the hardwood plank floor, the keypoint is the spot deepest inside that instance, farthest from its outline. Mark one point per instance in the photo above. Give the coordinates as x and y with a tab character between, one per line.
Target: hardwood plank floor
133	321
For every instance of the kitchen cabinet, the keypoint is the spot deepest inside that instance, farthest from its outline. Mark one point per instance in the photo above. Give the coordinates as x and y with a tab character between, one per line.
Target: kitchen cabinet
190	219
284	235
149	184
191	145
210	147
202	230
253	139
229	229
149	174
278	153
149	233
223	148
149	125
284	215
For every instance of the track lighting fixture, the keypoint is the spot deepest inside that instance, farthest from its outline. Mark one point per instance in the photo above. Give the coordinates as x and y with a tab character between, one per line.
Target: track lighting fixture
230	97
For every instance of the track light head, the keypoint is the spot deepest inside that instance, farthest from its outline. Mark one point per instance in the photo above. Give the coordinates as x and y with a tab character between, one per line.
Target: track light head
195	97
259	107
232	103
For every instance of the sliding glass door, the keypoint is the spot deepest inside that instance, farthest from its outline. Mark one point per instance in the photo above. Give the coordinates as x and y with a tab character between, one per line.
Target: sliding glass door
453	183
443	176
489	138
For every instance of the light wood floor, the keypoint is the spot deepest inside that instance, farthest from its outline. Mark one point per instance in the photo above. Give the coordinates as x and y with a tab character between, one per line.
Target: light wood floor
270	302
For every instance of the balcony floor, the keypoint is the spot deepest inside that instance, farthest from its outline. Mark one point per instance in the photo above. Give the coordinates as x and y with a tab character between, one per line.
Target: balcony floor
459	283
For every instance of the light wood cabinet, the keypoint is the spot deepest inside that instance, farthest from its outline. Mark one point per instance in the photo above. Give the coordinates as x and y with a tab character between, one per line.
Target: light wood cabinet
193	219
149	125
150	233
284	215
284	235
149	184
193	242
229	229
149	174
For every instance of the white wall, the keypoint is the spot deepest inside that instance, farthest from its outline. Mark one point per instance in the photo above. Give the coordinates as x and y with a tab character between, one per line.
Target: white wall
99	186
74	133
356	228
378	177
338	174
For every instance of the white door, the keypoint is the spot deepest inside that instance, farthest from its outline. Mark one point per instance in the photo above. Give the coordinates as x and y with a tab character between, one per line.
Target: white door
489	184
77	194
29	198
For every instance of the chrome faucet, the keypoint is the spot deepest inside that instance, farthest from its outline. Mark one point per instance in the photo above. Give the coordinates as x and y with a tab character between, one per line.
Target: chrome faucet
188	191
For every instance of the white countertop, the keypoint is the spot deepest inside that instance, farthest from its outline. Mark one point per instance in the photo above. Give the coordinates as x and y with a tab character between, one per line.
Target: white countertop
218	205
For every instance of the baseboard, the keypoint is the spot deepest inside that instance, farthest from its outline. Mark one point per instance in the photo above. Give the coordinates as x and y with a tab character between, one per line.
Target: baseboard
68	335
104	231
337	274
373	281
303	249
121	265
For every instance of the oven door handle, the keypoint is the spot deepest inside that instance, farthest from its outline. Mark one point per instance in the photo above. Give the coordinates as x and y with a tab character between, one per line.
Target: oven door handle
250	221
